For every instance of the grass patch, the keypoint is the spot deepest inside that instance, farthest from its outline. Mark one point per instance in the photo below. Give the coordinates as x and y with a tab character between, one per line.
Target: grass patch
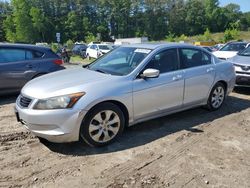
79	60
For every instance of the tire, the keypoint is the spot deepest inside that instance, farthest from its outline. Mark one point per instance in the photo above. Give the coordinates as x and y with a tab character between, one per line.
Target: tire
102	125
216	97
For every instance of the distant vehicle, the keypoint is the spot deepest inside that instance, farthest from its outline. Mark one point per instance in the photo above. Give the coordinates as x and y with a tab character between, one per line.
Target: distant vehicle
20	63
97	50
208	48
230	50
242	67
217	46
80	49
131	84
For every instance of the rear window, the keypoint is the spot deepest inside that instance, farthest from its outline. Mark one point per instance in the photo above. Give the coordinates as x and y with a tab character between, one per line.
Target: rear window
14	55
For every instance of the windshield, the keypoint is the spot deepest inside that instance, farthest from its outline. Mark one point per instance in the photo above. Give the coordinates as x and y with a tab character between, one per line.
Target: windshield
233	47
104	47
120	61
245	52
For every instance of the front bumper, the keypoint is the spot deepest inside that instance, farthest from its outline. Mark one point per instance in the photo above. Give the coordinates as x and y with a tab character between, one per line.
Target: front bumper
53	125
243	80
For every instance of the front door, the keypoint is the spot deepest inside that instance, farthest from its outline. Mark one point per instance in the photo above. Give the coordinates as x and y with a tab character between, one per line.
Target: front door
155	95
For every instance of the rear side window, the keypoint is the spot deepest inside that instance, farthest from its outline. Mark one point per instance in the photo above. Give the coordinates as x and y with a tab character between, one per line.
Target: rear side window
12	55
165	61
193	58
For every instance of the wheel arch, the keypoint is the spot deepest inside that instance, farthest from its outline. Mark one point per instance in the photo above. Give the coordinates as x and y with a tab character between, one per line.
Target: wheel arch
117	103
224	83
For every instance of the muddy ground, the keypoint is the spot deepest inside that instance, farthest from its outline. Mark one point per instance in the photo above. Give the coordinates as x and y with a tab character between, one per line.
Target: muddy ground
195	148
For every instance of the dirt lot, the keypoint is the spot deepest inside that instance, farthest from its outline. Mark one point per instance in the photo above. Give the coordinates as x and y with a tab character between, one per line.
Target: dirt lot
195	148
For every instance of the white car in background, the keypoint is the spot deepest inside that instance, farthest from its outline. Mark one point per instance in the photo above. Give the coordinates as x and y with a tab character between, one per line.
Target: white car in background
97	50
230	50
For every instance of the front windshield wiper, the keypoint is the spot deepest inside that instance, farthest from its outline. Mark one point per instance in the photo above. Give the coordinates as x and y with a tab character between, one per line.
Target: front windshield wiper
101	71
86	66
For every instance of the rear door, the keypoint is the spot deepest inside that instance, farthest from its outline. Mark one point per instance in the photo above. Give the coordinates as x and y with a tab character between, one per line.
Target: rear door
199	73
14	68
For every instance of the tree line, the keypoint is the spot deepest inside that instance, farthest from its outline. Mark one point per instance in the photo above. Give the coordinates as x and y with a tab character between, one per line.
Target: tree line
33	21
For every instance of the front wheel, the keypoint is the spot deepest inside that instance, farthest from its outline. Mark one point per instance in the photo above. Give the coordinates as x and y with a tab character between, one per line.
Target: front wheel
216	97
102	125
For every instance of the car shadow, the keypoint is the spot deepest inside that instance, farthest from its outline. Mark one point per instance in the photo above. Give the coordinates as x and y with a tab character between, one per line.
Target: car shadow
242	90
144	133
8	99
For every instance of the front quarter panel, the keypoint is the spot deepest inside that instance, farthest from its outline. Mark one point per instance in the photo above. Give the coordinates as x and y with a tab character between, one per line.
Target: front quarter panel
225	72
119	89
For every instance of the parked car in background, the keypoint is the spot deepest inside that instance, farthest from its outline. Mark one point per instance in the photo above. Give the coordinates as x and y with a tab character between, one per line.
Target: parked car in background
80	49
131	84
241	63
20	63
218	46
230	50
97	50
208	48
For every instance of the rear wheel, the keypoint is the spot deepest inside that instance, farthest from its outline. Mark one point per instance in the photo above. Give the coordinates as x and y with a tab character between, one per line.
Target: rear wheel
102	125
217	97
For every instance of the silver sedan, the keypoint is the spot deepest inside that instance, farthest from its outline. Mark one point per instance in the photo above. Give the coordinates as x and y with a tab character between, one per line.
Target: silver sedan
131	84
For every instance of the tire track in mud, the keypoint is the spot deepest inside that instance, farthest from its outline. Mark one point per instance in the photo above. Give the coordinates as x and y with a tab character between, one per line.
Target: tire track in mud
131	168
15	137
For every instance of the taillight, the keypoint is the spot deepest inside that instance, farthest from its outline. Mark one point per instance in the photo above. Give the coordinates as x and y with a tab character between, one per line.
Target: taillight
58	61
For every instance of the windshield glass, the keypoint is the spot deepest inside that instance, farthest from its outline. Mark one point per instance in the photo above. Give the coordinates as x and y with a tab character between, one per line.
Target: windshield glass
104	47
233	47
245	52
120	61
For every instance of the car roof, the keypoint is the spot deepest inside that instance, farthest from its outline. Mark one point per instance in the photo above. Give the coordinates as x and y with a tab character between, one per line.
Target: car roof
153	46
26	46
237	43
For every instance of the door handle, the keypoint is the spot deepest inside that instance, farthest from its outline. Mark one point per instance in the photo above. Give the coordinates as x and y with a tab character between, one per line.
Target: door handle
177	77
210	70
29	66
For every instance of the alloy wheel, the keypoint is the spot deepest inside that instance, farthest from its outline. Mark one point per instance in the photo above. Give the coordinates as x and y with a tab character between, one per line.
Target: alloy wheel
104	126
218	97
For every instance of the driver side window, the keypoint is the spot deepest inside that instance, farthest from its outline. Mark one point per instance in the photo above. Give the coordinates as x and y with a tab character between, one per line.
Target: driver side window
165	61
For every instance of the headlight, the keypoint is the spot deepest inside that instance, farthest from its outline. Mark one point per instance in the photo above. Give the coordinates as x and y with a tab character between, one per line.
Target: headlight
60	102
237	67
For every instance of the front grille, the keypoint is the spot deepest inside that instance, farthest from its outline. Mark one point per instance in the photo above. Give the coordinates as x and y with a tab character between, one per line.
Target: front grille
221	58
24	101
248	73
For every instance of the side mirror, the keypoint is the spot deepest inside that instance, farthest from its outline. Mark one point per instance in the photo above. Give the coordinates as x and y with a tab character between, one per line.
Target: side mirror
150	73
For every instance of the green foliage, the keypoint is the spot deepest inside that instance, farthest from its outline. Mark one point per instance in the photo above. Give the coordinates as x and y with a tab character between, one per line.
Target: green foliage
55	47
9	28
69	44
38	21
90	38
170	37
207	35
183	37
232	33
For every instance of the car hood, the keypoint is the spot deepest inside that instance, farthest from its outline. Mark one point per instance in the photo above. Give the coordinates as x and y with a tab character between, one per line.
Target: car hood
241	60
225	54
62	82
105	51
